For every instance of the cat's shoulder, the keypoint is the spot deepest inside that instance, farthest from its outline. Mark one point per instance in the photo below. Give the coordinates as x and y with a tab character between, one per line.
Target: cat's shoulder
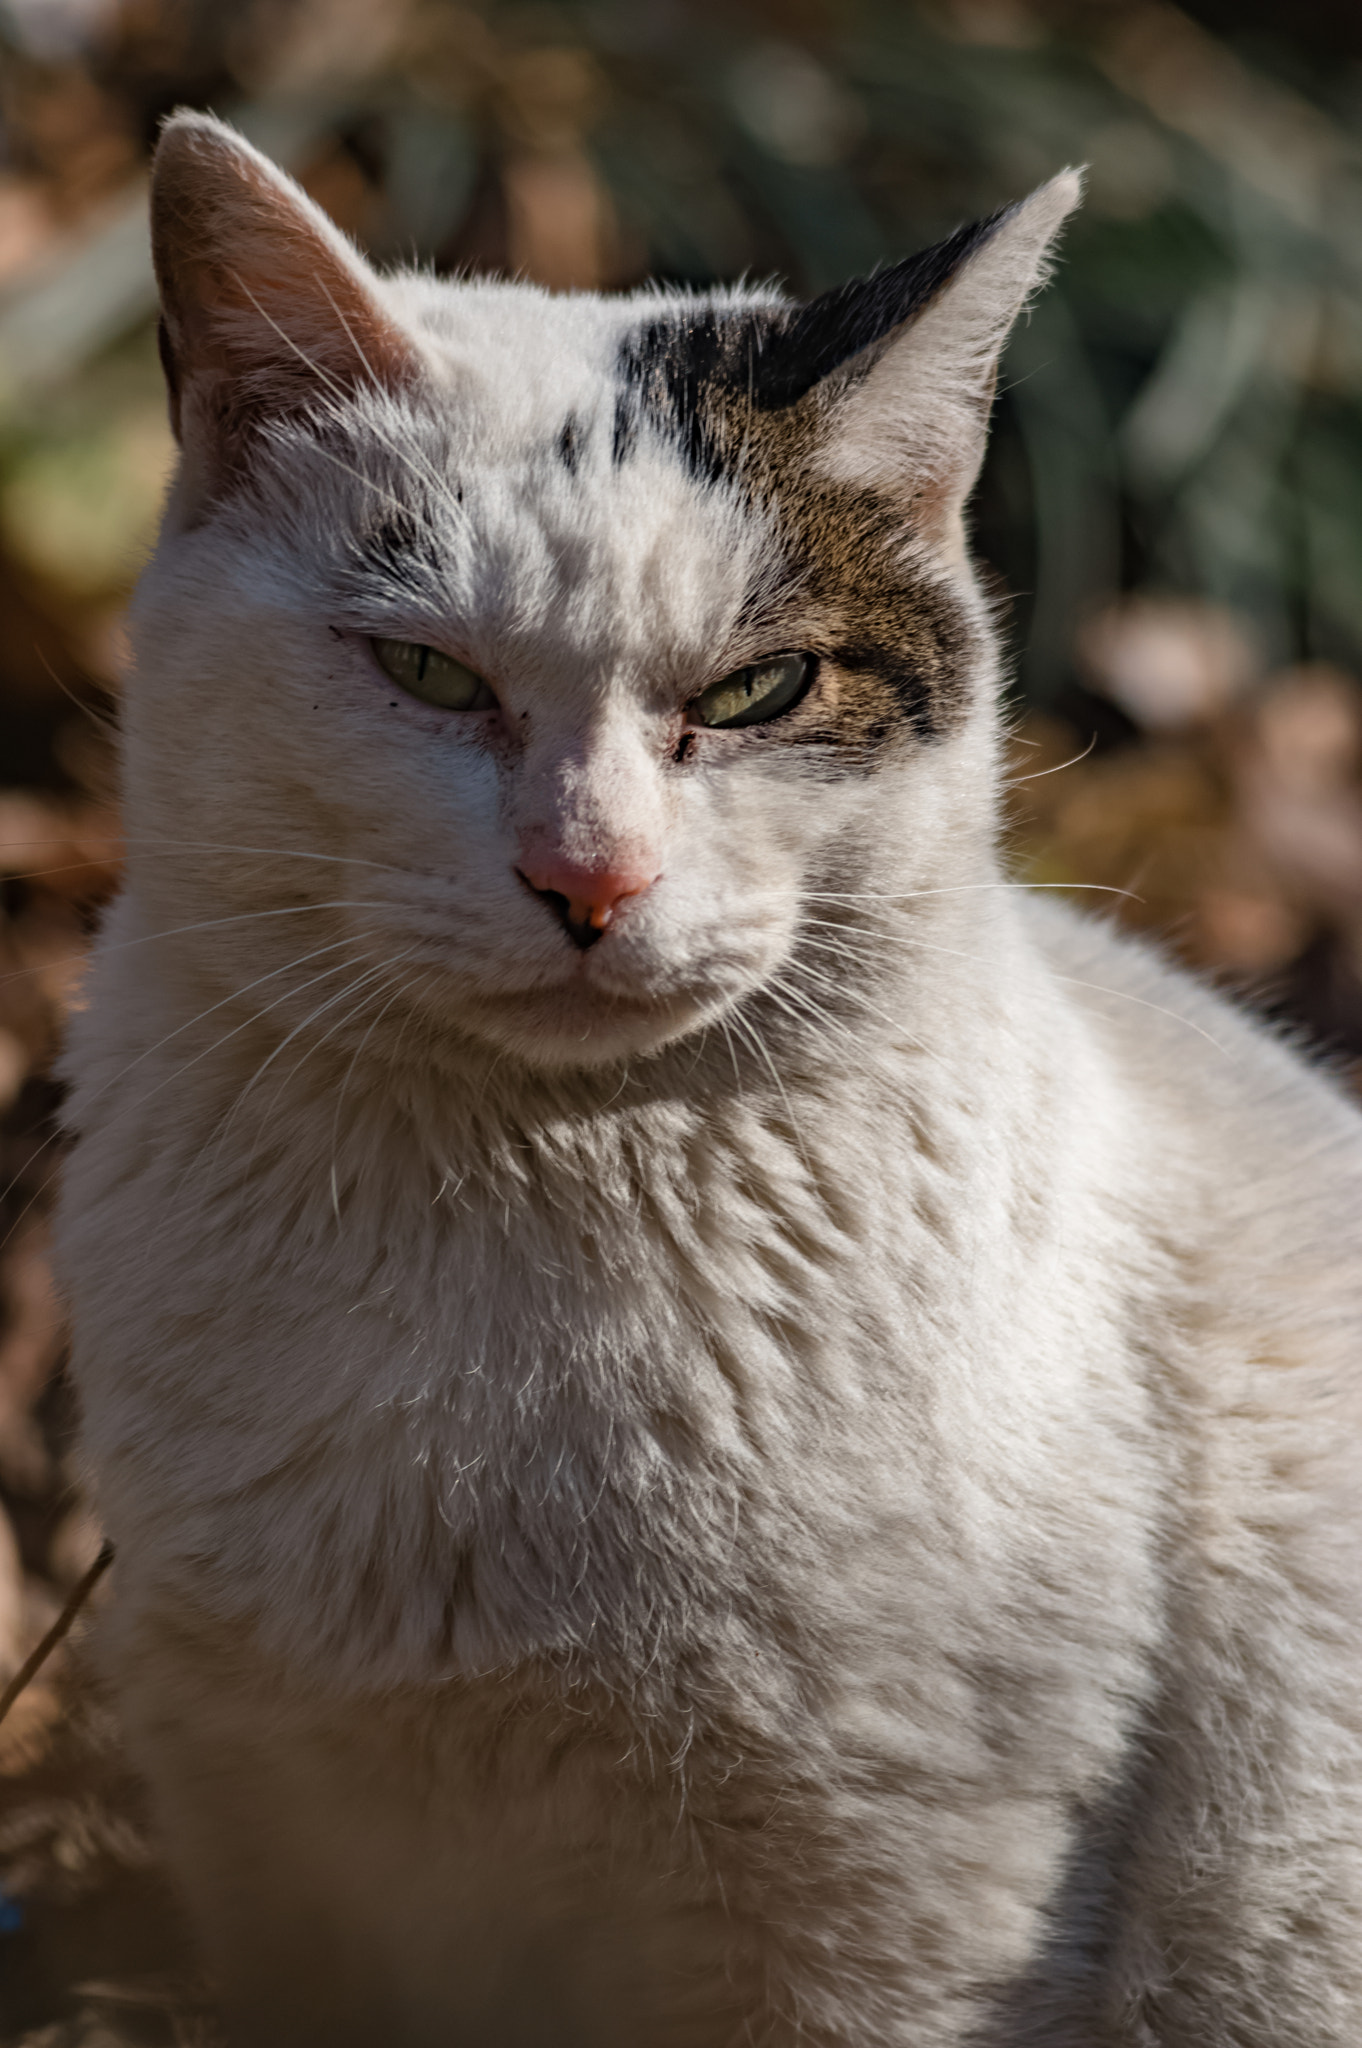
1268	1123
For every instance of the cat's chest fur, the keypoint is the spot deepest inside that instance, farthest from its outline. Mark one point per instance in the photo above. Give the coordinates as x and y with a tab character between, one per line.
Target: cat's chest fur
705	1459
703	1384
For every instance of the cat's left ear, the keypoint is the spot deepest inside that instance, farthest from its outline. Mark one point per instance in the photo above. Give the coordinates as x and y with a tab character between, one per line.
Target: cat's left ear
266	309
906	410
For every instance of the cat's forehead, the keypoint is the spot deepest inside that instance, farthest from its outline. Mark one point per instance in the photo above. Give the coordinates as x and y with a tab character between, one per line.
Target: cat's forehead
626	491
542	498
545	367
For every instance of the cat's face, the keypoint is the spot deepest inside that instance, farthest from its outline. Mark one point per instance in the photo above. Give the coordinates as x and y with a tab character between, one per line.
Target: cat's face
567	667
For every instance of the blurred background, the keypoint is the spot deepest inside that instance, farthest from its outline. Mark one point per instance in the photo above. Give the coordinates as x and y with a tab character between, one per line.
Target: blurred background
1171	516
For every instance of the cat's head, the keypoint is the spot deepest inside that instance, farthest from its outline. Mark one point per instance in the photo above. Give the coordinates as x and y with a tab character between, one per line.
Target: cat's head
565	665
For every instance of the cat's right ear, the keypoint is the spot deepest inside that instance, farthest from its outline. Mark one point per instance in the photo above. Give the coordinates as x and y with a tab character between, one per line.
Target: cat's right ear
266	309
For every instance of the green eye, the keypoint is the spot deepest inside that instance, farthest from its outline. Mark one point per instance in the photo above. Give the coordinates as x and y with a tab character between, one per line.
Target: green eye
434	677
750	695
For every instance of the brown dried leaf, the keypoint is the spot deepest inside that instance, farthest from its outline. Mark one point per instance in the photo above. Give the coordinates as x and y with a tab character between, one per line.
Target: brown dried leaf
30	1347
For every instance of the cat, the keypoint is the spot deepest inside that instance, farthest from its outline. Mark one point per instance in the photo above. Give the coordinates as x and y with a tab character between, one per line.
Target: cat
721	1428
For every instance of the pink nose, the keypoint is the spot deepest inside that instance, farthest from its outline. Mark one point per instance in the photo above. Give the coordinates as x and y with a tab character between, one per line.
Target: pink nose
587	898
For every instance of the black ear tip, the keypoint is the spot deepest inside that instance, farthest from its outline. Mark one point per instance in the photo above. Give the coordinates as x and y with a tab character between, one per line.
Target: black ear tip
802	348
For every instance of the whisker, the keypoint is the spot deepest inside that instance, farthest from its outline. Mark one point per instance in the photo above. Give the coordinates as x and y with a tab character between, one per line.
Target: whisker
803	1009
732	1052
339	1024
104	722
1071	980
344	860
386	984
147	1052
957	889
1072	762
206	924
849	992
69	867
320	1010
754	1037
1143	1002
110	858
399	987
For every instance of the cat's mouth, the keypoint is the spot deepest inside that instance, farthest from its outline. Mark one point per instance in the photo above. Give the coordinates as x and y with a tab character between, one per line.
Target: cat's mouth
600	1010
578	1022
596	1006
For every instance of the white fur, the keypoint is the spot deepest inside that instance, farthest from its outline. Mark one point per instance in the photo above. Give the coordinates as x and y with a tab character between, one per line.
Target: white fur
920	416
764	1482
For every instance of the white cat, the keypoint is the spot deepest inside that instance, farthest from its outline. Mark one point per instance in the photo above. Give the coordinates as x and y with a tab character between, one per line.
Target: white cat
721	1429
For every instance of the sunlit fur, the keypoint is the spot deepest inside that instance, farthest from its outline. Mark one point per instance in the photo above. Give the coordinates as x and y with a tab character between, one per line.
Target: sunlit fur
791	1477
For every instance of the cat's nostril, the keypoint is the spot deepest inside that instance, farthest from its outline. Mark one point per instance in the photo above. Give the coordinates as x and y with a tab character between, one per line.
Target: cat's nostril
582	933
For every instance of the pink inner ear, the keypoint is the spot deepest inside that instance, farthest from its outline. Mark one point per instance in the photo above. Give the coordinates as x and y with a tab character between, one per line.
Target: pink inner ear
266	307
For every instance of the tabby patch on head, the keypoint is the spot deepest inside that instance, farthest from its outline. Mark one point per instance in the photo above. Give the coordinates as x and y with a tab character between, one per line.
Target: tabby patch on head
747	396
612	633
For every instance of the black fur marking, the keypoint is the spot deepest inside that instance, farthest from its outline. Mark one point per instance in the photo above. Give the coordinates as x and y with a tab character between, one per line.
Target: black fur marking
680	364
895	668
687	366
809	342
625	431
569	444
